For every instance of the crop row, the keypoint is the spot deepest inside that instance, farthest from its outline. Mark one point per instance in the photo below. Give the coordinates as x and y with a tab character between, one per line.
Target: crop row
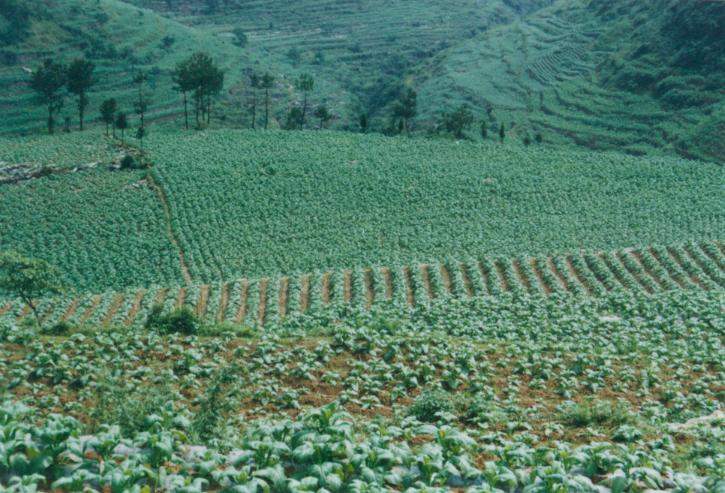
259	301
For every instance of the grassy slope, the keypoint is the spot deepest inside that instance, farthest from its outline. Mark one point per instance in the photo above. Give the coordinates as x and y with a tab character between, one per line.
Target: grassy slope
366	47
561	72
72	28
565	70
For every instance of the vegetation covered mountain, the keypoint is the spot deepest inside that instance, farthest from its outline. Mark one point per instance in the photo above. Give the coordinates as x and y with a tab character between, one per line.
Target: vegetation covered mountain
638	77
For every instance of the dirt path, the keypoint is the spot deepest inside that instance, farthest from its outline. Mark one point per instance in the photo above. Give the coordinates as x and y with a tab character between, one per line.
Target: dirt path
135	307
262	307
468	286
408	282
559	275
169	226
283	297
161	296
203	301
326	288
347	286
242	311
388	280
540	277
304	293
89	311
180	298
369	288
223	303
115	305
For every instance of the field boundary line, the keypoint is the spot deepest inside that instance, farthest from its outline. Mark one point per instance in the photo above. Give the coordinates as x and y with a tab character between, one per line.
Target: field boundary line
173	237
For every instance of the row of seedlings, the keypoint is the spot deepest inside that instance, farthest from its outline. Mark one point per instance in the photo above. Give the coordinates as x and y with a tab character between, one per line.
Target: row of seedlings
680	255
707	264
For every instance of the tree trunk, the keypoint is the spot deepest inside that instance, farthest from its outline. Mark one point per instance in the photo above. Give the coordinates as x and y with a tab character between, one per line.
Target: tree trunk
106	129
29	301
186	112
208	109
81	107
196	108
113	128
51	122
254	111
304	109
266	108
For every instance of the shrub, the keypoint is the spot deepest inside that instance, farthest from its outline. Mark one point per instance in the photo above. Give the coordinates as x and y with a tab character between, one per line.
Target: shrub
598	412
181	321
481	409
61	328
128	162
430	403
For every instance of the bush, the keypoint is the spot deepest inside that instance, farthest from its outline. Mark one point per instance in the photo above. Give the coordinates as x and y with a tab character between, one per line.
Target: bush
481	409
589	413
128	162
430	403
181	321
61	328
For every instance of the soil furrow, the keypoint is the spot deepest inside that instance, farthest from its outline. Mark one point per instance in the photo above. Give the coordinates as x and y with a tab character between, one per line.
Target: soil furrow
223	303
115	305
135	307
577	276
283	297
559	275
467	280
242	311
540	277
305	293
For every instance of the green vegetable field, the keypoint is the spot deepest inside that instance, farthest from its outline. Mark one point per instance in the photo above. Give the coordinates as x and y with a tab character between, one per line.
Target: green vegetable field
362	246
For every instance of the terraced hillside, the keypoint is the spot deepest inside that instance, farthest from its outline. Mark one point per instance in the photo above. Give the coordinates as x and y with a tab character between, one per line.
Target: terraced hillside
642	271
227	204
365	48
357	50
604	75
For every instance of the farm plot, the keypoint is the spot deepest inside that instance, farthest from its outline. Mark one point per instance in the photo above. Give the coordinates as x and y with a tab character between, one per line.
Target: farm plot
104	230
621	392
252	204
267	301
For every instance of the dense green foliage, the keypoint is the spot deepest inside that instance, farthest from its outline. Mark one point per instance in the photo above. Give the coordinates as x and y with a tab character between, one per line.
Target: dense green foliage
619	75
100	228
246	204
547	396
